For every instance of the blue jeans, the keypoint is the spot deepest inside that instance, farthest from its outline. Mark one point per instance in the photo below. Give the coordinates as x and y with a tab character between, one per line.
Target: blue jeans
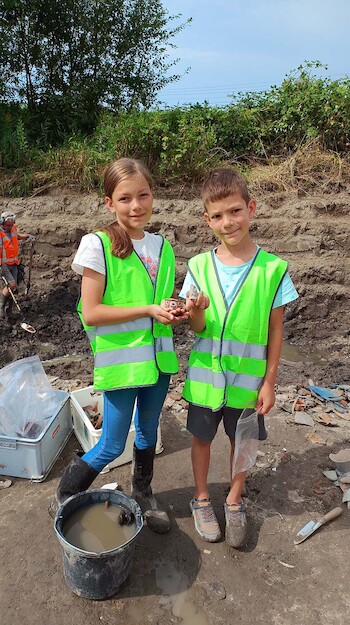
118	408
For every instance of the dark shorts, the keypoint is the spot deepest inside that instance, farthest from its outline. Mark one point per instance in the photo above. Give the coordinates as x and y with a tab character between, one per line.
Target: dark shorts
203	422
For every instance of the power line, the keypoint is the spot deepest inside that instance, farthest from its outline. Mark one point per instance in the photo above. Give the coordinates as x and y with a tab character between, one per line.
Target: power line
220	87
182	90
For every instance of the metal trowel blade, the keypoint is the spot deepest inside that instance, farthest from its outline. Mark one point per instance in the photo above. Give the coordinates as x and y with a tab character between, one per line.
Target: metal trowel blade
306	531
313	525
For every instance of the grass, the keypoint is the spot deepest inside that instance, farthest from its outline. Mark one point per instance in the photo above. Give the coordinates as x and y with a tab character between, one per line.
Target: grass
308	170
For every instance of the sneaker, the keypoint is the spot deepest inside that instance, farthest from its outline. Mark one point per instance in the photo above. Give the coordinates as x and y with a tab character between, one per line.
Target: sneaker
236	524
205	520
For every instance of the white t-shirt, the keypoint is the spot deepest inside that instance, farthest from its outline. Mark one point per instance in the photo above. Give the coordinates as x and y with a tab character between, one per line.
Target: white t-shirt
90	253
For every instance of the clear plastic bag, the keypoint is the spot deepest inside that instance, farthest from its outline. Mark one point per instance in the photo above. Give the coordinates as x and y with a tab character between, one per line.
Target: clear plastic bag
246	442
27	399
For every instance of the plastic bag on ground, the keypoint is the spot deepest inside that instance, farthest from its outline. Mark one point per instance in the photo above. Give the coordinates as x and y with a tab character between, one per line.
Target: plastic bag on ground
246	442
27	399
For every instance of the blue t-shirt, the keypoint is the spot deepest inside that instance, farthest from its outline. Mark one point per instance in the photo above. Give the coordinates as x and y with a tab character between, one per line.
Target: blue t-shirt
231	279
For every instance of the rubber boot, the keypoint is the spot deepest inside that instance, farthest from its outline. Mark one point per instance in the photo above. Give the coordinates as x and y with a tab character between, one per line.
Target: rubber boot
142	474
77	477
11	312
3	302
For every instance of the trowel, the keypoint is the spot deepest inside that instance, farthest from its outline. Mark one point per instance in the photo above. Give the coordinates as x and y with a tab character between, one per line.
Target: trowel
312	526
25	326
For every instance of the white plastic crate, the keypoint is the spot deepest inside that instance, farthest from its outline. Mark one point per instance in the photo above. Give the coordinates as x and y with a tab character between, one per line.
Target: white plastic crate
33	458
88	436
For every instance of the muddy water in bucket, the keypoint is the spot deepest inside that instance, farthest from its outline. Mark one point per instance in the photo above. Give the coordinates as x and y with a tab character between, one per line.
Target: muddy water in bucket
97	562
97	528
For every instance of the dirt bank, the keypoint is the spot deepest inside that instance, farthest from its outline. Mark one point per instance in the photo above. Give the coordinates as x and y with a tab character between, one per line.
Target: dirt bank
178	578
311	232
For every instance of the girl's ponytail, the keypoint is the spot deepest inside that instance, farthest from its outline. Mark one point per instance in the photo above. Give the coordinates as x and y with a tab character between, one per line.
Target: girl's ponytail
122	245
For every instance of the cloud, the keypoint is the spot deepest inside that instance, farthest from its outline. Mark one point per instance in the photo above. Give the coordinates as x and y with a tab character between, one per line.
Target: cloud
255	43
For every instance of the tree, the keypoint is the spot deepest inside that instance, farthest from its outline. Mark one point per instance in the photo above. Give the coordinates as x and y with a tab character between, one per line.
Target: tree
68	59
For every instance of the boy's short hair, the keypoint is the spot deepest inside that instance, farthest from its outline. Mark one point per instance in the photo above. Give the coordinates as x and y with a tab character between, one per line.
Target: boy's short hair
222	182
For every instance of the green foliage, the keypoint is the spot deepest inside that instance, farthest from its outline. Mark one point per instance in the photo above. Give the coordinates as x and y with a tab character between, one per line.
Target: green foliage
179	144
302	108
175	143
67	60
14	144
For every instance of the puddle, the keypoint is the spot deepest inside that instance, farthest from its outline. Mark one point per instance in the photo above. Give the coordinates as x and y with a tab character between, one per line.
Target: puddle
172	588
294	353
173	585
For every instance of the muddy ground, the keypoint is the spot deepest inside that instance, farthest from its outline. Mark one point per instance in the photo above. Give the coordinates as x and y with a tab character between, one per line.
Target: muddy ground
177	578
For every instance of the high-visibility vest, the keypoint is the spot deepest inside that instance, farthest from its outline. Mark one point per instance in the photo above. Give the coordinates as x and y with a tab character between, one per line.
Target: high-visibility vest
9	246
132	353
227	363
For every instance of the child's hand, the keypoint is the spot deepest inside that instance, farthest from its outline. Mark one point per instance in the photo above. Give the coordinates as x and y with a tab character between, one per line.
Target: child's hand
266	398
200	303
177	308
161	314
180	317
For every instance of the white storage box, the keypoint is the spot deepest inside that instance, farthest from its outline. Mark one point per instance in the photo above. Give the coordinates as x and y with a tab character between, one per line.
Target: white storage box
88	436
32	458
85	432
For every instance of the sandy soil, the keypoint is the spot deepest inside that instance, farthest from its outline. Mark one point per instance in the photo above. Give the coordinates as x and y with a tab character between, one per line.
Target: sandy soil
178	578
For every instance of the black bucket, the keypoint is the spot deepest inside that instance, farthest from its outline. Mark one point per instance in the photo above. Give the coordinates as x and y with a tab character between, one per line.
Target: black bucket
96	575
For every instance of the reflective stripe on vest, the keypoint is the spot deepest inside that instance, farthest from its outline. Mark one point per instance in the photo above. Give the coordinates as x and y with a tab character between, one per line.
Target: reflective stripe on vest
227	363
121	356
221	379
144	323
9	246
230	348
128	326
132	353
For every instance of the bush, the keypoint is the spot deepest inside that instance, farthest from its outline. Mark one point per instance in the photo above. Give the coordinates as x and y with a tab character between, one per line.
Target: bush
180	143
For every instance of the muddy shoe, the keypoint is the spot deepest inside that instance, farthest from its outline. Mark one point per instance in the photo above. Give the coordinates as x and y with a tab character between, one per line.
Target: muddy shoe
156	518
3	302
11	312
205	520
236	524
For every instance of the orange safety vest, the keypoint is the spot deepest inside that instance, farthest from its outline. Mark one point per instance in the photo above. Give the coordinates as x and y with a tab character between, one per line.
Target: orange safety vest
9	246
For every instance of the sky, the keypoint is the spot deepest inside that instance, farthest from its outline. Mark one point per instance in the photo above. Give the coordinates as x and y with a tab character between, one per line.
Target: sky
249	45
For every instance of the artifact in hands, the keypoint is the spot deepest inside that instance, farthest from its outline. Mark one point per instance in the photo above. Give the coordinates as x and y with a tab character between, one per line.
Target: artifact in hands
193	292
176	306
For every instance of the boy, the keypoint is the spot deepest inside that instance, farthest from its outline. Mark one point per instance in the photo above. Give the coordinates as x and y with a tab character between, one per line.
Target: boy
237	317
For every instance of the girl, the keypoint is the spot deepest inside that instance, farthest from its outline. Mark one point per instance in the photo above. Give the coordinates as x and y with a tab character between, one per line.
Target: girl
127	272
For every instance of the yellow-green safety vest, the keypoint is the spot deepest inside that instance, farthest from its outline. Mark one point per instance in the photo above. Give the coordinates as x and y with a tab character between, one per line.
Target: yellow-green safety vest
132	353
227	363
